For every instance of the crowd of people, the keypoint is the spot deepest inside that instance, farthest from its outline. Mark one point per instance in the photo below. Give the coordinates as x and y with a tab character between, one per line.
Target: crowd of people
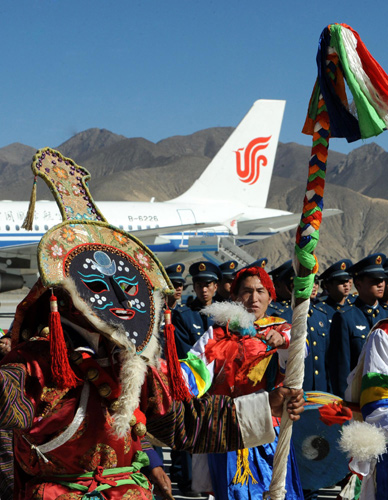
346	302
238	325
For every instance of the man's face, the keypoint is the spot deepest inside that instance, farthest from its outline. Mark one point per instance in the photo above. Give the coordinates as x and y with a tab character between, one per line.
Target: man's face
338	290
205	291
224	287
370	290
283	290
178	285
254	296
314	292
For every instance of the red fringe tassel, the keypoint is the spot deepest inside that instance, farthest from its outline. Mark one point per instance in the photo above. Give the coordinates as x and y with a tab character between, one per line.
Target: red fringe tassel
63	375
179	389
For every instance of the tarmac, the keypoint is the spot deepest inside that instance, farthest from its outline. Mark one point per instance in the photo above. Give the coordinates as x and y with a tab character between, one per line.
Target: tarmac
323	494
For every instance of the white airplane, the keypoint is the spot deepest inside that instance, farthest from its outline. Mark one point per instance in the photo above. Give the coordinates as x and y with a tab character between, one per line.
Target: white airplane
227	201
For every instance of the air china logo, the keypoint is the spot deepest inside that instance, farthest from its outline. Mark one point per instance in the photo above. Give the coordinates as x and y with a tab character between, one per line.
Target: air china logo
249	160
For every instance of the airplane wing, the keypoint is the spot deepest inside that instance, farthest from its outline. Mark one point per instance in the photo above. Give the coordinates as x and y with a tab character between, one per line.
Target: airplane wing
262	228
141	233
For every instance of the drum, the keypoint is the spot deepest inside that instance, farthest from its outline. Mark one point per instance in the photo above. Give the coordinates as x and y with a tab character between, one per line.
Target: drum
320	461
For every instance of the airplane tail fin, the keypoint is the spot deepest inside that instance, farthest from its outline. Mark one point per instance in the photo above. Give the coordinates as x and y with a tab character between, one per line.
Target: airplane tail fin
242	169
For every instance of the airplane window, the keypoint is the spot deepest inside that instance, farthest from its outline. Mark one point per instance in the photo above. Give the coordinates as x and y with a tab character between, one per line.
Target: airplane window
7	227
139	227
17	227
45	228
148	227
157	225
36	227
129	226
121	227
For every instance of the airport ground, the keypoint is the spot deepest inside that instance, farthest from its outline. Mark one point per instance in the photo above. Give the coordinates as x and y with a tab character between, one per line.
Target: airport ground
324	493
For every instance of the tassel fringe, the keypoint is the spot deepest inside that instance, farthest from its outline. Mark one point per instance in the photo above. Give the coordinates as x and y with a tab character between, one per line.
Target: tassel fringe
63	375
179	389
29	219
243	472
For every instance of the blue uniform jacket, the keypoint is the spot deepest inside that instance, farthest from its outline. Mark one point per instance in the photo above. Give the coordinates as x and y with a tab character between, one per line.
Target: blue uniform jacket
331	307
316	375
189	325
349	329
281	309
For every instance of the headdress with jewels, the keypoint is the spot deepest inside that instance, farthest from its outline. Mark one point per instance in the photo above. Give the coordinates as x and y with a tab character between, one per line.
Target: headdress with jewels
111	278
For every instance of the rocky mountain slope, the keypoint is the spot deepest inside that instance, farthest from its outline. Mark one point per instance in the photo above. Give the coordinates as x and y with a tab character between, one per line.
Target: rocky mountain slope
138	169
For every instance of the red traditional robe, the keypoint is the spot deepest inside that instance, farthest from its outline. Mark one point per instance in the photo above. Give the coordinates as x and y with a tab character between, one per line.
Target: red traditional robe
39	412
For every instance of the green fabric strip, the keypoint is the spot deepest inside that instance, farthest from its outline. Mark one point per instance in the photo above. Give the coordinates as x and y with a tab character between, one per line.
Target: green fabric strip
304	254
136	478
374	380
141	460
319	173
357	488
312	111
322	141
303	286
311	212
369	121
321	109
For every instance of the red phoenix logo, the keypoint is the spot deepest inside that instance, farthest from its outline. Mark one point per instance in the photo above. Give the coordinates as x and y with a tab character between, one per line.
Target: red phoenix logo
248	162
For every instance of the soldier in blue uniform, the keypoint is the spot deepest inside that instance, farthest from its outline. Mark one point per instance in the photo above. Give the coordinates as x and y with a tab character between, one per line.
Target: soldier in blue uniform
175	273
189	323
337	282
282	278
350	327
260	262
316	372
314	299
228	270
384	300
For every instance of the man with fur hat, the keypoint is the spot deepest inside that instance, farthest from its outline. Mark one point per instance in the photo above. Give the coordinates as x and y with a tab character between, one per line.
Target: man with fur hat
83	384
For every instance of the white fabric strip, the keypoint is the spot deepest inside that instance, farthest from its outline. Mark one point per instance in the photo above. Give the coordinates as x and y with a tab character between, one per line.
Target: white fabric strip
355	64
255	419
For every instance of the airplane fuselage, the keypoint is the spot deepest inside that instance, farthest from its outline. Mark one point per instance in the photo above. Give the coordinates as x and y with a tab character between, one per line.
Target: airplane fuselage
152	220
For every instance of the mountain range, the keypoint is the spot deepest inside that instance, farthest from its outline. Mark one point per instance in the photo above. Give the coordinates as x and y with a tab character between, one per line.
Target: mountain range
137	169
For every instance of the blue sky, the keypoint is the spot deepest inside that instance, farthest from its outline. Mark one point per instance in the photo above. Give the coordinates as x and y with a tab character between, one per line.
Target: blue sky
157	68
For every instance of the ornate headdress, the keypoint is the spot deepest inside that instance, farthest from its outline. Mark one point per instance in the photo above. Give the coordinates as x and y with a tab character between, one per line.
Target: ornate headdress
111	278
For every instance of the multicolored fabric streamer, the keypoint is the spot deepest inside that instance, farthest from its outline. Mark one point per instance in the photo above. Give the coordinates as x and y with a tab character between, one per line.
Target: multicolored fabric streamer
367	82
345	70
197	375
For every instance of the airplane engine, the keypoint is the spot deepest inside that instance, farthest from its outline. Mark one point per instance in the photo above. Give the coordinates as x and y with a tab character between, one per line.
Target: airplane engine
10	282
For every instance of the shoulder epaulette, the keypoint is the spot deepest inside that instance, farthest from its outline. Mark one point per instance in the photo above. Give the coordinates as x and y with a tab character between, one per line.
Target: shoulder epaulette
319	308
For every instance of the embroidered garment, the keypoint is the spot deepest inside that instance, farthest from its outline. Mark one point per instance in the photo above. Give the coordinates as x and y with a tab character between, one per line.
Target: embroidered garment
93	457
368	385
238	358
